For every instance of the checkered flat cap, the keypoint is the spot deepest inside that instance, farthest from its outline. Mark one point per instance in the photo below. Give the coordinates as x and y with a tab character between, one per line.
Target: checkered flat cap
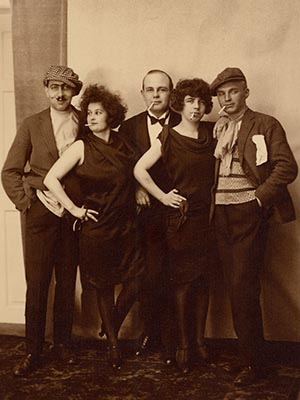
63	74
229	74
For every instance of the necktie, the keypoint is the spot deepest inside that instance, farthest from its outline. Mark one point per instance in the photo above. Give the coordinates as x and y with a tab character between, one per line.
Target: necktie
154	120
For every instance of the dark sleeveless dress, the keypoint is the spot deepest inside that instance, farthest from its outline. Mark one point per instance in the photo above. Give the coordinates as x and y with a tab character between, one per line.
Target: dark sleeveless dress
108	251
190	165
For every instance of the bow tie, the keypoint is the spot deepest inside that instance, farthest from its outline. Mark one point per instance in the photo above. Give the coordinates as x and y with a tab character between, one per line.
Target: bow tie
154	120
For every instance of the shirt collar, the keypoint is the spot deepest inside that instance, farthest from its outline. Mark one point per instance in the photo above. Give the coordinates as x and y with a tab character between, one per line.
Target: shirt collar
164	115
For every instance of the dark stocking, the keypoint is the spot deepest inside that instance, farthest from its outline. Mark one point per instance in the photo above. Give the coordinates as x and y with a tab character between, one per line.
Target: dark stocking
105	298
125	301
201	301
182	300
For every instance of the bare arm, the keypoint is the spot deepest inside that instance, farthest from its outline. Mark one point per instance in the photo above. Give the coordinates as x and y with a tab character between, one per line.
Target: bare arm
72	156
141	173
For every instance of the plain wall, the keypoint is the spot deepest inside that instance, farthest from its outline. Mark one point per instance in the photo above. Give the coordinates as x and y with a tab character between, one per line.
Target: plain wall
116	42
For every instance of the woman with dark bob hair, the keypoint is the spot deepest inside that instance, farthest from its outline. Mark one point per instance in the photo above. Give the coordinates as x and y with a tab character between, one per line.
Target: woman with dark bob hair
111	102
103	162
187	152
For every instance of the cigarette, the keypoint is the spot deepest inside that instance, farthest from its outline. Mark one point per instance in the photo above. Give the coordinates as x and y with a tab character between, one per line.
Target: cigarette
222	109
87	124
151	105
192	115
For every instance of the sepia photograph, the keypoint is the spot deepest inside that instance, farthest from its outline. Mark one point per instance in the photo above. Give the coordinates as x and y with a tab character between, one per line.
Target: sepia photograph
150	200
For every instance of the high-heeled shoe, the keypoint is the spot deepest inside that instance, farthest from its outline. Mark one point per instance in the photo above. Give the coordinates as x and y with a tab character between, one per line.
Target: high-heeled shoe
102	330
114	357
143	345
203	356
182	360
116	324
202	353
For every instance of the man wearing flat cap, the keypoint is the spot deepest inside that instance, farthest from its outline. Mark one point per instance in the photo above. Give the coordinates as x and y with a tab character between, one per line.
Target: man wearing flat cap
49	242
254	166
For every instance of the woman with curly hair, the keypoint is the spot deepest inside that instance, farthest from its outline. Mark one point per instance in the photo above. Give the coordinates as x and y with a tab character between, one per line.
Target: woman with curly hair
187	152
103	163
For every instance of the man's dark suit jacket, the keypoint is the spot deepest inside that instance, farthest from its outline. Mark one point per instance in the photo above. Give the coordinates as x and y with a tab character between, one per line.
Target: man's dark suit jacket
34	144
135	129
272	177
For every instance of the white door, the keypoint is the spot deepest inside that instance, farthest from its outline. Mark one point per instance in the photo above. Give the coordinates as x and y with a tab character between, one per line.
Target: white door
12	278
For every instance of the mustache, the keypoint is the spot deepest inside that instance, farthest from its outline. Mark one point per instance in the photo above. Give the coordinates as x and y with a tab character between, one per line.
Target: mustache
58	98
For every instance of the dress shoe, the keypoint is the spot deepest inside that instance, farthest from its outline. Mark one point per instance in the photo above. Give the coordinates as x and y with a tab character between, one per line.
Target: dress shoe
168	356
63	353
182	360
28	364
248	376
168	361
114	357
231	368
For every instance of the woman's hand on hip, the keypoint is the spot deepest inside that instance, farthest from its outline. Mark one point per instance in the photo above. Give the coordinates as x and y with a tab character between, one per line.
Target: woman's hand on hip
84	214
172	199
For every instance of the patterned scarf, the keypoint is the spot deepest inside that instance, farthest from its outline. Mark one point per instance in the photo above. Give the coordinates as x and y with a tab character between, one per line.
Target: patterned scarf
226	132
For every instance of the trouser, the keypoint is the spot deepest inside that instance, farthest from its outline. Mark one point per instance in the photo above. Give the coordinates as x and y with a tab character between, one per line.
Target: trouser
49	244
155	298
241	236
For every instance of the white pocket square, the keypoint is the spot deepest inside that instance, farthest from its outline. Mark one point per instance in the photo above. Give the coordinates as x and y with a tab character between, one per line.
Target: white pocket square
261	149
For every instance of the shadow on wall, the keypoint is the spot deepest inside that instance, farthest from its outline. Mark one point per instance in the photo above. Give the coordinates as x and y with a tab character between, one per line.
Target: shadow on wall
278	301
279	294
87	321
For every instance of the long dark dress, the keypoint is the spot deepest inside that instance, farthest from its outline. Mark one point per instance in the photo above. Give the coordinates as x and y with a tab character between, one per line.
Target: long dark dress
108	251
190	165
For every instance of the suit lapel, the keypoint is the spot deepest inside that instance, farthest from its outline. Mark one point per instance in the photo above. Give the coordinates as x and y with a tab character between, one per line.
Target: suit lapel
143	137
47	133
174	119
142	133
247	125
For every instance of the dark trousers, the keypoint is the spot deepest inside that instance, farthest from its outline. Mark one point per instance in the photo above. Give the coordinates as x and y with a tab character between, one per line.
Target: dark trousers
241	236
49	244
155	298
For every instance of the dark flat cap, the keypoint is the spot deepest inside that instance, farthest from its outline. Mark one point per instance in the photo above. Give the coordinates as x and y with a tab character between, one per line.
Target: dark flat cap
229	74
63	74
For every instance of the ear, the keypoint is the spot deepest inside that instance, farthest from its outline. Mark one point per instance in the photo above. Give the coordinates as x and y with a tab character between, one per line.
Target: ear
46	91
247	92
144	96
